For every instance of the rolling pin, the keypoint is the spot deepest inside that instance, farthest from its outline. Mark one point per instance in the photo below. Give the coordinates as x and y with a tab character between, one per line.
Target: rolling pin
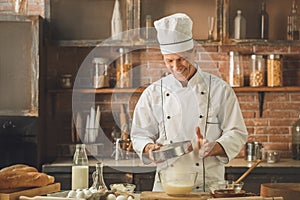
248	171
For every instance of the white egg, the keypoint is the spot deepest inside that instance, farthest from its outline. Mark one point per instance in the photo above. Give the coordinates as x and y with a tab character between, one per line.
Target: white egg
80	194
111	197
130	198
72	194
121	197
87	193
93	190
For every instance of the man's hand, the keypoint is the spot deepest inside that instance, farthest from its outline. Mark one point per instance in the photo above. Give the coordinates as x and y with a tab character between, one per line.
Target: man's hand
200	137
151	147
207	148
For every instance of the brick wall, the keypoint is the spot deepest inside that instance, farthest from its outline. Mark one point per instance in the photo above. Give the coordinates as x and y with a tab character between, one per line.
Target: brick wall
273	129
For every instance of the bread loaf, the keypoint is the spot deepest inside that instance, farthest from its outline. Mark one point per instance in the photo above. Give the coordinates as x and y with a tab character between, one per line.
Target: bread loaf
23	176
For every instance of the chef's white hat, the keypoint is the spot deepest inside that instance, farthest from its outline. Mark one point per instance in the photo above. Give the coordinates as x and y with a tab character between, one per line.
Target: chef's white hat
174	33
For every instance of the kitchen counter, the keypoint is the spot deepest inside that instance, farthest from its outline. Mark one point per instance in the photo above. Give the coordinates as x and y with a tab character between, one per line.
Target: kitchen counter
134	171
136	163
239	162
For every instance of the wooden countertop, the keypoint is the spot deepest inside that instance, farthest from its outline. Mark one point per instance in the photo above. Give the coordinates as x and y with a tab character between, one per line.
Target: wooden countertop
238	162
135	165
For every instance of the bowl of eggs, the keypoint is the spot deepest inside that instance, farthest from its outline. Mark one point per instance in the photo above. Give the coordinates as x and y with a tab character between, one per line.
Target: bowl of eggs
122	187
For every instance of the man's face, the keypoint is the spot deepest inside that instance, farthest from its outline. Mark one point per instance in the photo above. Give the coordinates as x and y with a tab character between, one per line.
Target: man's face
180	65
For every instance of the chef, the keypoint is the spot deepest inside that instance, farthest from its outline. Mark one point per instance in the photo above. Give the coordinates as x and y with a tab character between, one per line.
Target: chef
187	105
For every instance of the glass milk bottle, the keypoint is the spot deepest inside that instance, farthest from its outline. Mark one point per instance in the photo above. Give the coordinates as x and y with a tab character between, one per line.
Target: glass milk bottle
80	168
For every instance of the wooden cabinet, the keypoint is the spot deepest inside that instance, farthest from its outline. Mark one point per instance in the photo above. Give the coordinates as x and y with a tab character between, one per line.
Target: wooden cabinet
21	55
91	20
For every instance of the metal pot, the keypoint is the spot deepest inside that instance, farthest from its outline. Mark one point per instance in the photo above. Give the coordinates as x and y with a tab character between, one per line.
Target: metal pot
253	151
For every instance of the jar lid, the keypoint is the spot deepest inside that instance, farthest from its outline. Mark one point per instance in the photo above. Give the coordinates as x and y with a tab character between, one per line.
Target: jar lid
100	60
274	56
233	53
66	75
254	56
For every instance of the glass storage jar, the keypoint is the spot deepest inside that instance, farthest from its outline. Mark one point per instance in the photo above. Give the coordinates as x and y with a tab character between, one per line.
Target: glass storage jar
124	69
236	75
257	75
101	78
274	64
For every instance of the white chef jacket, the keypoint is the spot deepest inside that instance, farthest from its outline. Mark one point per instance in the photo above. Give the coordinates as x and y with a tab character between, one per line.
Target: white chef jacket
168	112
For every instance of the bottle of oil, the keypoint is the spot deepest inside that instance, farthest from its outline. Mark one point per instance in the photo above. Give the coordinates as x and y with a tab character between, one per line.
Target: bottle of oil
296	140
239	26
264	22
99	184
293	24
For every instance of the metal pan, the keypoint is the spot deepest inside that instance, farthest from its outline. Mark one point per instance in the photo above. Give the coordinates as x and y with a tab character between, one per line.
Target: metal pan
172	150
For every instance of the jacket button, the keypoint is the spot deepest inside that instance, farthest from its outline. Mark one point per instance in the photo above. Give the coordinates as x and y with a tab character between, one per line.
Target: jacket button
197	164
167	94
197	187
202	93
168	117
200	116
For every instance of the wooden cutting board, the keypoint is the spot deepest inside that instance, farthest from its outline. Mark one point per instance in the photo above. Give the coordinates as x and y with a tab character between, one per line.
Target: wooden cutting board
14	194
163	196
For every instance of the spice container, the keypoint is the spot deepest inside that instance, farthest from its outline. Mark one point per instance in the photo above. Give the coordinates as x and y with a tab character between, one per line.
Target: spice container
257	75
274	64
66	81
101	78
273	157
236	76
124	69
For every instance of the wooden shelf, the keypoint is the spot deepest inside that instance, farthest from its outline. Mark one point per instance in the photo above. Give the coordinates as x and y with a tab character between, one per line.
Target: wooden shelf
111	43
140	90
261	91
268	89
